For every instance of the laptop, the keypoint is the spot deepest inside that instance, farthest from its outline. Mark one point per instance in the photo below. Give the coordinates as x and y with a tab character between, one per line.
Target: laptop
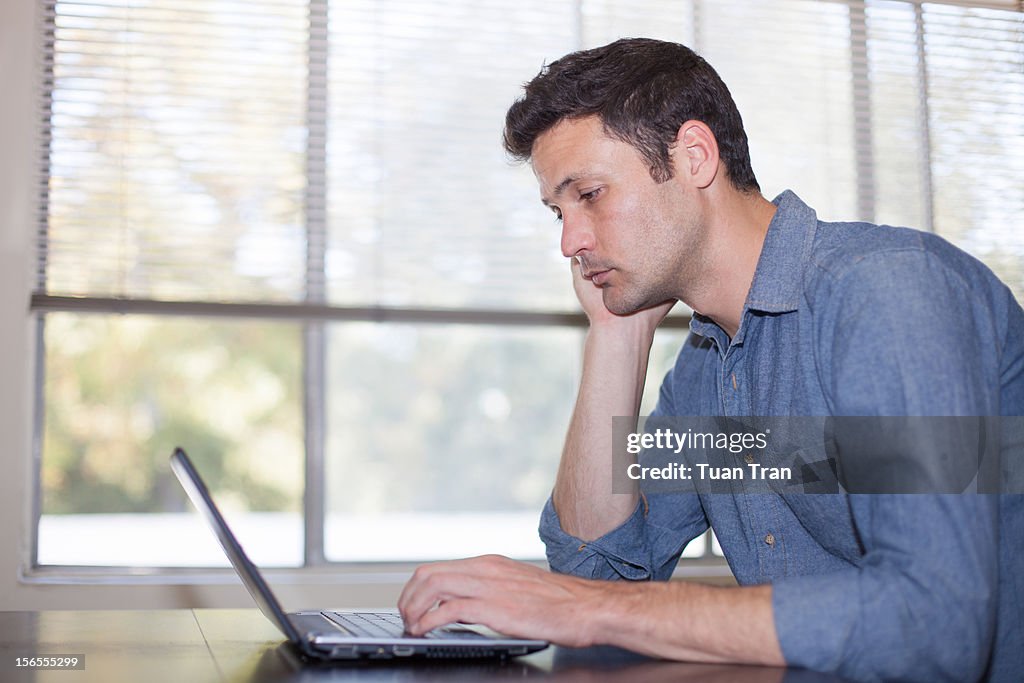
344	635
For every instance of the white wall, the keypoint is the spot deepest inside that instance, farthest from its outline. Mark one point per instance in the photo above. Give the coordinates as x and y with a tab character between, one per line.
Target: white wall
17	64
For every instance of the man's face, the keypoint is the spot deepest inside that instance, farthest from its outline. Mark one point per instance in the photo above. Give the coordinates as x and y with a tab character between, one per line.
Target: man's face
638	240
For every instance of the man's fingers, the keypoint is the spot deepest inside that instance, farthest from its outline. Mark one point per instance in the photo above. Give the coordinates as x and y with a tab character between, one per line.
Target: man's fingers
472	590
422	574
443	584
466	610
415	580
515	598
429	591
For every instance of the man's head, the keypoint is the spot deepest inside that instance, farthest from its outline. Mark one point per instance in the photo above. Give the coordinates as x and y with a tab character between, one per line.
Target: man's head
642	90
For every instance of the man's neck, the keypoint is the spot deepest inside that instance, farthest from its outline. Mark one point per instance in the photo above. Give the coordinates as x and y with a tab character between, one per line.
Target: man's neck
737	225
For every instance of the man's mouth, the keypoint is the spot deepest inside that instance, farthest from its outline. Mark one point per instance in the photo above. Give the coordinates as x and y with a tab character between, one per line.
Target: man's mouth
598	275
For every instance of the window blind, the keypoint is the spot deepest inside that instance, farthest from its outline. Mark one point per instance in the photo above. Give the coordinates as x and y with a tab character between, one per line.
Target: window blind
175	158
975	80
423	209
225	151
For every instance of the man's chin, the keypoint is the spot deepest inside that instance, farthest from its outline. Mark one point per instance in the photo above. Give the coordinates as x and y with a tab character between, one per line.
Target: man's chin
620	305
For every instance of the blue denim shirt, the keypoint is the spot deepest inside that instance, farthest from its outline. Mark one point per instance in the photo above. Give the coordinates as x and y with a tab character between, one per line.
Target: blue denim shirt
851	319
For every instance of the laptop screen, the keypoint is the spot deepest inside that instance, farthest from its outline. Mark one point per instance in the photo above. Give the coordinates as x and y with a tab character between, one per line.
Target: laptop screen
247	571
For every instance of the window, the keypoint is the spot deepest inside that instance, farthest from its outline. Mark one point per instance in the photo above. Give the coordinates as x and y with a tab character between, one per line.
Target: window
283	234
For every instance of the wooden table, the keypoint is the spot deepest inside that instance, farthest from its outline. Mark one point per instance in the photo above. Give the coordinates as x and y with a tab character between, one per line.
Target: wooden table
240	646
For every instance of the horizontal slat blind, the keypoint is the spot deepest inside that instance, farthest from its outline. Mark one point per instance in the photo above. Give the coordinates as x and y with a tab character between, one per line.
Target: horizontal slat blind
176	153
790	69
177	139
975	61
423	208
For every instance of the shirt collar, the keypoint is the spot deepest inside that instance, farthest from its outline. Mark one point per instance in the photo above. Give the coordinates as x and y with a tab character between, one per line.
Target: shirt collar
778	279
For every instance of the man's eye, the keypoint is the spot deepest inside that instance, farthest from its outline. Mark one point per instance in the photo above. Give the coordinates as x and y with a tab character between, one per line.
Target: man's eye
558	216
590	196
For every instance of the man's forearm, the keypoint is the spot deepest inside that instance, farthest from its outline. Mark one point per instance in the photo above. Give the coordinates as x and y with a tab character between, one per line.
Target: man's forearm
689	621
672	620
614	368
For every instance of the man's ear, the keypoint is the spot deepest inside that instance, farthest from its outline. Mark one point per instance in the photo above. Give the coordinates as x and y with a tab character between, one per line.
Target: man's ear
695	154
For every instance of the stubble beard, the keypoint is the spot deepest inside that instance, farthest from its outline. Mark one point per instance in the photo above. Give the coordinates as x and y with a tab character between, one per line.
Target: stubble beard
677	263
627	295
626	298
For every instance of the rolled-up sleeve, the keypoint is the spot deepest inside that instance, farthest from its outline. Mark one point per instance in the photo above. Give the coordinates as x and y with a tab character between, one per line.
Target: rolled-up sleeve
645	546
615	555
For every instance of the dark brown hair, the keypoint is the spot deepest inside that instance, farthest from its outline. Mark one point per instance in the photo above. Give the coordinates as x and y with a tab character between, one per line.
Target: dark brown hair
642	90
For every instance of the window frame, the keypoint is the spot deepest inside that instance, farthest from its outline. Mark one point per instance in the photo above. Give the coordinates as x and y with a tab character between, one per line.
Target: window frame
315	313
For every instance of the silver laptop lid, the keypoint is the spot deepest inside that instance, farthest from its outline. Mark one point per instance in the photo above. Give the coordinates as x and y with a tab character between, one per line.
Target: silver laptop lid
244	567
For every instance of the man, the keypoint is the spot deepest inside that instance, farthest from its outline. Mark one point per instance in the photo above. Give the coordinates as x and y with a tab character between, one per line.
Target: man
640	152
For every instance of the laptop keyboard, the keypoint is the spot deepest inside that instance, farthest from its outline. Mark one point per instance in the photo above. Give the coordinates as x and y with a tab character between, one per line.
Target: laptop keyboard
369	624
389	625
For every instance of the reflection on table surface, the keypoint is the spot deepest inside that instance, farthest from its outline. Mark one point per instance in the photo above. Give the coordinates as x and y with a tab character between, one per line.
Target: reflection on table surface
562	665
241	646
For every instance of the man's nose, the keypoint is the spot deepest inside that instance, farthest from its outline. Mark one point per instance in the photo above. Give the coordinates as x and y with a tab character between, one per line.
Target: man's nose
577	234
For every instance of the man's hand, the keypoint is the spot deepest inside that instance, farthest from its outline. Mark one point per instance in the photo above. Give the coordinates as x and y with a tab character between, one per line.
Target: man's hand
514	598
592	301
670	619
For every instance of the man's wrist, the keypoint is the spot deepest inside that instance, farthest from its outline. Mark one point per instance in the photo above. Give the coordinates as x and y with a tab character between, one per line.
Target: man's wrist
633	329
620	604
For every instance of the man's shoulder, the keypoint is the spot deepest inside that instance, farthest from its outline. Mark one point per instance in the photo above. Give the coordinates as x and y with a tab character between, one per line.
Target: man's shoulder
840	247
900	278
847	253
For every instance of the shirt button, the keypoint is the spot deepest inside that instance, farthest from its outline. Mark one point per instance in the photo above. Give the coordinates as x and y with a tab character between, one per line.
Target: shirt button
769	539
749	458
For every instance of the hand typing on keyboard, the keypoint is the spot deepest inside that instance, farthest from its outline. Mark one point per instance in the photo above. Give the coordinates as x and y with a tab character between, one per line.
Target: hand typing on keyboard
514	598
